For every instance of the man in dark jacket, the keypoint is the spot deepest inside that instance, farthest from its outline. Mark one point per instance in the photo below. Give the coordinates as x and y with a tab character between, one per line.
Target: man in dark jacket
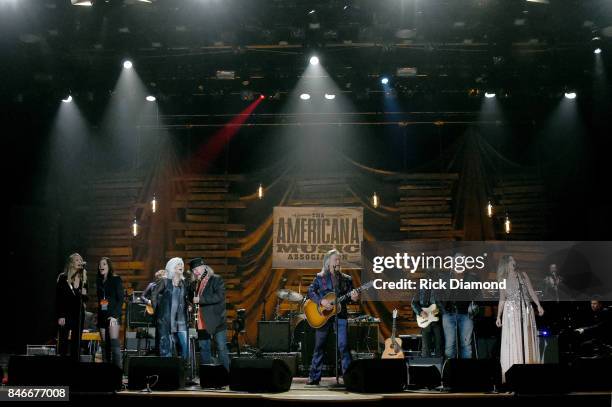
330	280
209	298
431	335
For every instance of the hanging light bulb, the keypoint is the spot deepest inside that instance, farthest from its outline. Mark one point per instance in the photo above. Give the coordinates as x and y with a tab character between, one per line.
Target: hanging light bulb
507	225
489	209
260	191
135	228
154	204
375	200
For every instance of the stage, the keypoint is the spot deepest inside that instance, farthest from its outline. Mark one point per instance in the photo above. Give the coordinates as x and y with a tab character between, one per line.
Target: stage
327	393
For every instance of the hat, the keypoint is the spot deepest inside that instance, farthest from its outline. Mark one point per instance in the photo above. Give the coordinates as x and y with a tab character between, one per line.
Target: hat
196	262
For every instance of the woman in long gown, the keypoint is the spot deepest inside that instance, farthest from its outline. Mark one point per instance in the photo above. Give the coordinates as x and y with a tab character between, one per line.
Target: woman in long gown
519	342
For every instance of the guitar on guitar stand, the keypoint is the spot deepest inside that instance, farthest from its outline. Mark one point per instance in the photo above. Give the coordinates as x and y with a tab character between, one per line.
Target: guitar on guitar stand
393	345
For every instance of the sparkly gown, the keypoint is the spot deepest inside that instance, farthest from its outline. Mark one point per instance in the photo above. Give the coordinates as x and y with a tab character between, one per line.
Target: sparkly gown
518	304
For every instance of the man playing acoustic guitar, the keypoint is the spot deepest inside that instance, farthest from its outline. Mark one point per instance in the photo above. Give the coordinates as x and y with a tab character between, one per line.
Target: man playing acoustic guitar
330	280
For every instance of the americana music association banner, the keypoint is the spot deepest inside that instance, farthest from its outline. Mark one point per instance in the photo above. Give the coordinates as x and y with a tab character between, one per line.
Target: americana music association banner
302	236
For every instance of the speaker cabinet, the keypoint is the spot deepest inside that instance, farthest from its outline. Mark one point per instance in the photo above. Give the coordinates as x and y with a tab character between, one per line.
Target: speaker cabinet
376	376
469	375
548	378
39	370
260	375
213	376
273	336
159	373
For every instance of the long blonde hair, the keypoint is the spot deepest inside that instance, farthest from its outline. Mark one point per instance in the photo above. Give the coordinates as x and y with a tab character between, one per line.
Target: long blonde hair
327	259
503	268
71	270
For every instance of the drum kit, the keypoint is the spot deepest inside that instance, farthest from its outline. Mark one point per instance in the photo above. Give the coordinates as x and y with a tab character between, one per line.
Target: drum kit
295	317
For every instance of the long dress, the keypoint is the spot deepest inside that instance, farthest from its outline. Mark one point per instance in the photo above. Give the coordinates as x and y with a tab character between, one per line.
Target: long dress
517	307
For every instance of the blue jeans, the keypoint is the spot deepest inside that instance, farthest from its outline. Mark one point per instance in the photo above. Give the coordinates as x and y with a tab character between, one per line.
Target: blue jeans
167	344
319	351
457	325
221	343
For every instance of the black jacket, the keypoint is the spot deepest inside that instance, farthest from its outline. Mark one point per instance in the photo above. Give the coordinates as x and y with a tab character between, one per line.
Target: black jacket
67	300
212	303
162	303
111	290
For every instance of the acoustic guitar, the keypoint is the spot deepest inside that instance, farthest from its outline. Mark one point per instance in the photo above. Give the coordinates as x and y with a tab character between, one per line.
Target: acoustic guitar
432	316
393	345
317	316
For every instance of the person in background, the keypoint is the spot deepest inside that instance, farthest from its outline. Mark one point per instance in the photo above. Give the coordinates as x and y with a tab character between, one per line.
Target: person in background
209	297
170	302
109	288
70	300
519	339
431	336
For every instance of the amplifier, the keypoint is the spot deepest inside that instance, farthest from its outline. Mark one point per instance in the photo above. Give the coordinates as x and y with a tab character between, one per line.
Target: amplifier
137	316
273	336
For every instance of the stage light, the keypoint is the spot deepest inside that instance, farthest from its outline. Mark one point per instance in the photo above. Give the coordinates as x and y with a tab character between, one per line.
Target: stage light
86	3
262	97
384	80
314	60
330	96
489	209
597	51
127	64
135	228
312	11
304	96
154	204
68	99
260	192
151	98
507	224
375	200
489	95
570	95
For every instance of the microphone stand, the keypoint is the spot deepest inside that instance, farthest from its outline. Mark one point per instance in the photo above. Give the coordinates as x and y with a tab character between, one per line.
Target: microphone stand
76	336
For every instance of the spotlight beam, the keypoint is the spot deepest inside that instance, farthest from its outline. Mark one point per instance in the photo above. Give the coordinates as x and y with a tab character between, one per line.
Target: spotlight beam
209	152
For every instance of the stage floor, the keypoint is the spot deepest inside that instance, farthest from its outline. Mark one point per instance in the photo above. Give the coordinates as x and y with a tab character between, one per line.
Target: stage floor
327	392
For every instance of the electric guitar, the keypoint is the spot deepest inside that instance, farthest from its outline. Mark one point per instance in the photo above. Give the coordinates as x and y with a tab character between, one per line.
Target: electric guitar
149	309
432	316
317	316
393	345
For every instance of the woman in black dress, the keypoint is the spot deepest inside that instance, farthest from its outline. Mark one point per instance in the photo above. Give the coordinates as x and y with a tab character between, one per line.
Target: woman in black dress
110	305
71	297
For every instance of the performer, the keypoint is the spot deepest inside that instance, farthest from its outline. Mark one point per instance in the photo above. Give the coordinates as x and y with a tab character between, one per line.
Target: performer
148	292
519	341
71	297
110	306
171	307
330	279
552	283
209	297
146	297
432	333
596	334
457	319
